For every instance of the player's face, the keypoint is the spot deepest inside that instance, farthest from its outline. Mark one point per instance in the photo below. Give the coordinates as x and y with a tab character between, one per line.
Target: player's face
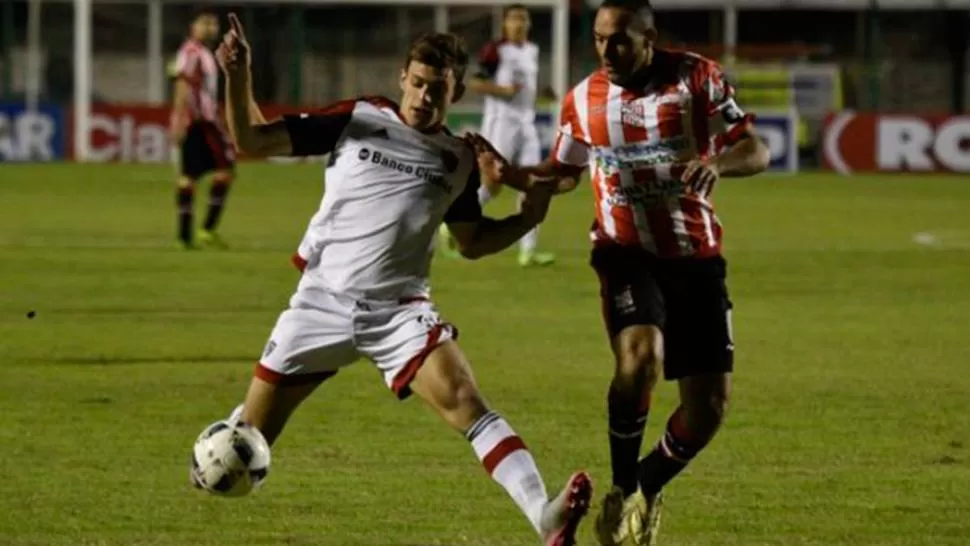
206	28
427	93
623	45
516	25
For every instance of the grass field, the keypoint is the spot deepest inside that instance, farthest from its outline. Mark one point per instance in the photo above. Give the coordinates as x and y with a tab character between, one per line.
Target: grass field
850	422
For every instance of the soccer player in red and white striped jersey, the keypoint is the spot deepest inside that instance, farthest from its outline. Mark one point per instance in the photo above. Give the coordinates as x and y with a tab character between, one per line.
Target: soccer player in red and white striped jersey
656	129
198	132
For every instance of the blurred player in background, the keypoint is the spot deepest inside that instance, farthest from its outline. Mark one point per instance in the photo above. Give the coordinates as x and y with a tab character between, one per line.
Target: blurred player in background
508	76
196	131
657	129
395	174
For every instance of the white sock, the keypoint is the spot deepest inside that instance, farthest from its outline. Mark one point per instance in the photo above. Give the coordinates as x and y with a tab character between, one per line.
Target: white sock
236	414
484	196
529	241
509	462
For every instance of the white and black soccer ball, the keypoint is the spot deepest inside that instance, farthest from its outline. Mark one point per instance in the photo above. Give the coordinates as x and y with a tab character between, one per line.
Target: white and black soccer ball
230	459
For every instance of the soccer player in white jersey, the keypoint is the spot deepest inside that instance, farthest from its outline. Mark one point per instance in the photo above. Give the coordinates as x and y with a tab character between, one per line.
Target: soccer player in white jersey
508	77
395	173
198	133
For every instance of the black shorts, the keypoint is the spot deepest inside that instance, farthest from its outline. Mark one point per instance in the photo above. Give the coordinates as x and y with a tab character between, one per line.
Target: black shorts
686	298
206	148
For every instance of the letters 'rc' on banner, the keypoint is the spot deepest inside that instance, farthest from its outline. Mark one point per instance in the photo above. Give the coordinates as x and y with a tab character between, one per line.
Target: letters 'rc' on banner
874	142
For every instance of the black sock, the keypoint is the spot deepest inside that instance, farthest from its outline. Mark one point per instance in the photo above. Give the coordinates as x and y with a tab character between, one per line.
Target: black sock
626	422
217	199
670	456
183	203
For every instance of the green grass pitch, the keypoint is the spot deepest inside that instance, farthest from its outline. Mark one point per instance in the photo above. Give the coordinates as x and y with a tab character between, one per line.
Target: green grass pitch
849	423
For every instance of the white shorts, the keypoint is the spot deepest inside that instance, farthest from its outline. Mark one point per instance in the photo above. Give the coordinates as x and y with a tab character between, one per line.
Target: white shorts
322	332
516	141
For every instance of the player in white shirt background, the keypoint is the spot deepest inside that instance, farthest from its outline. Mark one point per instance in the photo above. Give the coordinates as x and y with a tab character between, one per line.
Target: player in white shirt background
394	174
508	77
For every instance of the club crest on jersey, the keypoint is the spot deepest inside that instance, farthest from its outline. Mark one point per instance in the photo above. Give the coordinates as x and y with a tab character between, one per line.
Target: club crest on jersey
633	113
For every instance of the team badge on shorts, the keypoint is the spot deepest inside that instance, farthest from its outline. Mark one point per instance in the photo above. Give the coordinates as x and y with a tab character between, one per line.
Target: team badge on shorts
623	302
429	321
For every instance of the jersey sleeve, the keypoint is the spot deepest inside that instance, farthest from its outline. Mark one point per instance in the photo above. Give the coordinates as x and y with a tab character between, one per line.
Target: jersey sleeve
488	61
466	208
727	122
570	147
188	65
317	133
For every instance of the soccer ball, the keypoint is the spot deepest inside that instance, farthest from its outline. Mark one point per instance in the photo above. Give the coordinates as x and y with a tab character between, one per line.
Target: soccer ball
229	459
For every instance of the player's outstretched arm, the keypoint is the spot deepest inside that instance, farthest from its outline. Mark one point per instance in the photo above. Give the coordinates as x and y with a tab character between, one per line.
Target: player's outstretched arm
250	132
477	236
559	176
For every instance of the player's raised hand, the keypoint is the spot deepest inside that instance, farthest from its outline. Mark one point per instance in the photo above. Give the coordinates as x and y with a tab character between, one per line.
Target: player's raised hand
496	168
700	175
234	53
491	163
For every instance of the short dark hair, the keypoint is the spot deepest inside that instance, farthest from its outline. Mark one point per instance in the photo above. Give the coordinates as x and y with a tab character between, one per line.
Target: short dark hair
440	50
640	8
513	7
203	11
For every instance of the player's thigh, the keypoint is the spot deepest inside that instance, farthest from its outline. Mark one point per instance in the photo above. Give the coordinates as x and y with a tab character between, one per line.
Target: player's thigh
206	149
306	347
221	151
195	159
633	309
307	342
399	340
698	336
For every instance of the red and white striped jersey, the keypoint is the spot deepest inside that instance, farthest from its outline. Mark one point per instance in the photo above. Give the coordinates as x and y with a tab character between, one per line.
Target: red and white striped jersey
636	142
196	65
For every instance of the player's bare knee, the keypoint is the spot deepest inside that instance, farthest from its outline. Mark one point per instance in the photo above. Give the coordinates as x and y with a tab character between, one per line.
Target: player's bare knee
639	355
185	183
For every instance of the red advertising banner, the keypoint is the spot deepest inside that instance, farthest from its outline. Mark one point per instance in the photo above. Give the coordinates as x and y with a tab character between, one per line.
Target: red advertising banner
873	142
131	133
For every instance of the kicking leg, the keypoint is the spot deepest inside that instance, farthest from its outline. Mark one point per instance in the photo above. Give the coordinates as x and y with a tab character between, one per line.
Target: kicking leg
446	383
268	404
305	348
184	202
